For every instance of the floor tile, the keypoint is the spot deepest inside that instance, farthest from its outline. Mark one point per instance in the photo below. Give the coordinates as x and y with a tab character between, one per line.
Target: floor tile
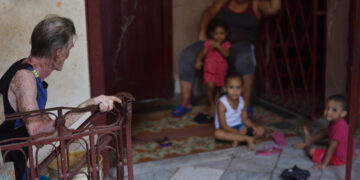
157	175
240	175
197	173
216	164
251	163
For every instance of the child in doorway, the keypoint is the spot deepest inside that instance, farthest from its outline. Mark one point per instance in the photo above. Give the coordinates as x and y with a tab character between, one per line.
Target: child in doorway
337	132
231	120
216	50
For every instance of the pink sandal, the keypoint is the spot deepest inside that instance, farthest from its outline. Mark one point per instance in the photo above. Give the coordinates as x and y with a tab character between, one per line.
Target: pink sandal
267	151
279	138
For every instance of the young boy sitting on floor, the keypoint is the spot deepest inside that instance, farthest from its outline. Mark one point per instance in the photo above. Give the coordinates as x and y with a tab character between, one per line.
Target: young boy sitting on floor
337	132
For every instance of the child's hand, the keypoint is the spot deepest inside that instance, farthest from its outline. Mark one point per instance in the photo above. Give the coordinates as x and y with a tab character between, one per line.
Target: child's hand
319	166
299	145
215	45
198	64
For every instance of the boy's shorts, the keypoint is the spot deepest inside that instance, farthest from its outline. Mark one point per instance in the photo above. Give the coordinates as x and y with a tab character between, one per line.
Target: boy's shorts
238	127
319	155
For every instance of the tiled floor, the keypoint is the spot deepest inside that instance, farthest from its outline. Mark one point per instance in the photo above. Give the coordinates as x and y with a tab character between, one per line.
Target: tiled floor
239	163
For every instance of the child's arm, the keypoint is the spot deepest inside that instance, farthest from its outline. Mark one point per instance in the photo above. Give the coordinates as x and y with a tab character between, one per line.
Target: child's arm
221	109
329	153
224	51
245	118
199	58
319	136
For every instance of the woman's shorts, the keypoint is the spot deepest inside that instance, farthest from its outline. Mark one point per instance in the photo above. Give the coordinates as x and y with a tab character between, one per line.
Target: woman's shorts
242	58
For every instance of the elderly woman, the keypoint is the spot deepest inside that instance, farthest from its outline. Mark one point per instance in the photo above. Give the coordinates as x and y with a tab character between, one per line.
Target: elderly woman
242	16
24	88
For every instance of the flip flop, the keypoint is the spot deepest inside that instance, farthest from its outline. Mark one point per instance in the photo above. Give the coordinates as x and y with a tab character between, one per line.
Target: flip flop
267	151
180	110
279	138
165	142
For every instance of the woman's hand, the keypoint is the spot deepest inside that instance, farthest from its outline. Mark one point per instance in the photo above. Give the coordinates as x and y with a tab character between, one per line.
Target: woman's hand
198	64
202	37
106	103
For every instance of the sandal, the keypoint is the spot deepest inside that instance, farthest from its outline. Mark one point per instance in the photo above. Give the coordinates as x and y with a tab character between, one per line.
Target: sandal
268	151
295	173
165	142
180	110
279	138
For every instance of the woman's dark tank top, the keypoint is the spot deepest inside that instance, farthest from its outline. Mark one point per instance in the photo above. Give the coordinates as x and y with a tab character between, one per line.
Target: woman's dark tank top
243	25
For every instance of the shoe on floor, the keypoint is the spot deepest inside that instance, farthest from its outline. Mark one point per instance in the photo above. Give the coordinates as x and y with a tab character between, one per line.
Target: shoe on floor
204	118
180	110
295	173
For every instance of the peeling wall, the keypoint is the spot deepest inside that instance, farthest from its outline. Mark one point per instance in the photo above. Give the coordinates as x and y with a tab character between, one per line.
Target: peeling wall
69	87
186	25
337	54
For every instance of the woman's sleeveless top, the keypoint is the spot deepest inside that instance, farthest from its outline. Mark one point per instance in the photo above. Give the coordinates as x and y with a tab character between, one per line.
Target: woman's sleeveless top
5	80
243	25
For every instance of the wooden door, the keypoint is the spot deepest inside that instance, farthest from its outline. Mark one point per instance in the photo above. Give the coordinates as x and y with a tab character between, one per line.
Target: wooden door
136	38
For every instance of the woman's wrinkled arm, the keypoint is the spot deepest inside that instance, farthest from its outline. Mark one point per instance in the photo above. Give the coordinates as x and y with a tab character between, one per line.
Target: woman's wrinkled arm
269	7
207	16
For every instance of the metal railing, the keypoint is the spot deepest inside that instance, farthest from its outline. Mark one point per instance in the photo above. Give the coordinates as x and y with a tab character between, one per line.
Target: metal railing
291	56
96	141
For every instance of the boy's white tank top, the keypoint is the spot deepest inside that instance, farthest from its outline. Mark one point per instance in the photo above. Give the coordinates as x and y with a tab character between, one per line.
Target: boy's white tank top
232	116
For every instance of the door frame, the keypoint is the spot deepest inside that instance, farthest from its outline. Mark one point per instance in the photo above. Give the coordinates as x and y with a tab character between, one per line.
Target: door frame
95	46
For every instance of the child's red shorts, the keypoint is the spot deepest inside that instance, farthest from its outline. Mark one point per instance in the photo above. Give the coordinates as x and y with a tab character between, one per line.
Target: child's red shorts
319	155
215	71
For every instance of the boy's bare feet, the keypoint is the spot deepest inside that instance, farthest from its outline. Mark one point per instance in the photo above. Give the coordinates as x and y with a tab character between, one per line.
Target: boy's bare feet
235	143
250	143
302	145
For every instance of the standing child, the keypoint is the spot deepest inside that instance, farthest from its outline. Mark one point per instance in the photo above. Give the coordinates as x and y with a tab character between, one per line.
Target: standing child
231	120
216	51
337	132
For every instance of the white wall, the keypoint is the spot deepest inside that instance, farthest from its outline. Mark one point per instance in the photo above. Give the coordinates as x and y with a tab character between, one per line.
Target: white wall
69	87
186	26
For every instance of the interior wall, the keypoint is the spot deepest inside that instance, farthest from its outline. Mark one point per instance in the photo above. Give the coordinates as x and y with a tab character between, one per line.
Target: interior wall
337	54
18	18
186	25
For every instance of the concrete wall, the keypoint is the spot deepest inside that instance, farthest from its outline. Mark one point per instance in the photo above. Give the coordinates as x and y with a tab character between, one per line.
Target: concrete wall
337	54
69	87
186	25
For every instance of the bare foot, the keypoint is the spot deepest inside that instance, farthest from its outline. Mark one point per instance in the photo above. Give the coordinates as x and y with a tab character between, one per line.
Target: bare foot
299	145
250	143
302	145
235	143
307	136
